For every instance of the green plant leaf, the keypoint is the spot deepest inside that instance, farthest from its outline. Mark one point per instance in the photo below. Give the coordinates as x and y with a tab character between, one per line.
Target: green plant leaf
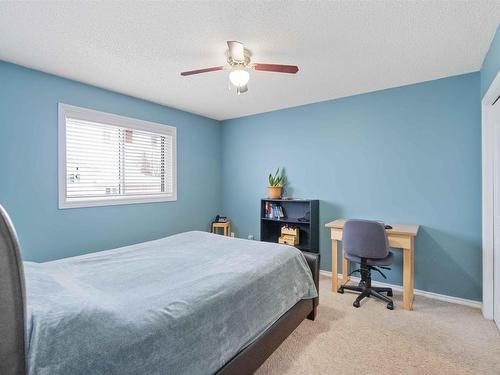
278	179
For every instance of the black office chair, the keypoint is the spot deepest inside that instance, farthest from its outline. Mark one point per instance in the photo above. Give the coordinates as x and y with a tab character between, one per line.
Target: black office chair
365	242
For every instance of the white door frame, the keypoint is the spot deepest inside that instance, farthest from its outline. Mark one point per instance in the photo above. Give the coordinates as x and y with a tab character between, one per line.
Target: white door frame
487	131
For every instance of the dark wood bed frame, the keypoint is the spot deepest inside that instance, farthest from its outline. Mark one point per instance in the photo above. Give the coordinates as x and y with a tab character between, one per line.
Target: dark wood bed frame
13	312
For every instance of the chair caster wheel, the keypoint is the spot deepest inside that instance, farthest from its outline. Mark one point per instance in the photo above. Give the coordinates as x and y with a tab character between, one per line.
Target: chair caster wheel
355	304
389	294
341	290
390	306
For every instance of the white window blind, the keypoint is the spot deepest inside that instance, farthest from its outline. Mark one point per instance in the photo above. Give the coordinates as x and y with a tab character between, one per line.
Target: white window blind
109	159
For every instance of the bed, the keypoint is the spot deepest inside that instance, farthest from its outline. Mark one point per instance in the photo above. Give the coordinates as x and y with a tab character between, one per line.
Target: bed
192	303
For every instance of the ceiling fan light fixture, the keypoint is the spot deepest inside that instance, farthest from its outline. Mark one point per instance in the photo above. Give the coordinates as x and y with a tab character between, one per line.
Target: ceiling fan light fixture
238	60
239	77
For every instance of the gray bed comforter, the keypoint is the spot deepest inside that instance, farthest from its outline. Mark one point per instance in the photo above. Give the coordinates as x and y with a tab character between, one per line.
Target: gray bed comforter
184	304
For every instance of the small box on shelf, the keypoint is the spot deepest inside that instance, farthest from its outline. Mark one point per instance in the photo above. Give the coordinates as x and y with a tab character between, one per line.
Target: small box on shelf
291	231
289	235
288	240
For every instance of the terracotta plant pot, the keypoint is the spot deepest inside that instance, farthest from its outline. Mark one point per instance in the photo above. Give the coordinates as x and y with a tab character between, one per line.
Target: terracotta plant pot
274	192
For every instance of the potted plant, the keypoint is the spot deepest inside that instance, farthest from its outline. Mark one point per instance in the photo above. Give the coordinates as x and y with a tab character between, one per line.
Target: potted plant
276	184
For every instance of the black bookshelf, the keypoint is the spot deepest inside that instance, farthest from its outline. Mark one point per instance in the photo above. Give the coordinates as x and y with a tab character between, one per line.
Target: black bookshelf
293	209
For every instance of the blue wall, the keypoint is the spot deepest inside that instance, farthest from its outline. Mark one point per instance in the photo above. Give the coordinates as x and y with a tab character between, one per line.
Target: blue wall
28	169
410	155
491	63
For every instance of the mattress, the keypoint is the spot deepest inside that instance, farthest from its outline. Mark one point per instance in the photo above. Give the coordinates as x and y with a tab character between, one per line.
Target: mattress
184	304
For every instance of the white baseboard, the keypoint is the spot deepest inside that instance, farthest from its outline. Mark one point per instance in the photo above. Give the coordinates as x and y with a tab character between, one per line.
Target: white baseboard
417	292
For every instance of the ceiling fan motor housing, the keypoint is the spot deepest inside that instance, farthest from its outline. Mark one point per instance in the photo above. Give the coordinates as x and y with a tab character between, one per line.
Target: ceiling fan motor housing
239	64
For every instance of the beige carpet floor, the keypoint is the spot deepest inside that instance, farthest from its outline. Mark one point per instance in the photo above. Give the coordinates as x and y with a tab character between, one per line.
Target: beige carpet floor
435	338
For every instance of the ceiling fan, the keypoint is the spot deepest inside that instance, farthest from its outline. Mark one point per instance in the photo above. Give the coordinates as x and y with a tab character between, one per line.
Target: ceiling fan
238	58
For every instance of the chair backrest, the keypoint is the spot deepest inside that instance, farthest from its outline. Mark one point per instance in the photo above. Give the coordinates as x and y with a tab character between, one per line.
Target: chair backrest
12	300
365	239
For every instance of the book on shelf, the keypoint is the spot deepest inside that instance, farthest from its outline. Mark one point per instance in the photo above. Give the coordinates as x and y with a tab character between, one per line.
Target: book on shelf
274	211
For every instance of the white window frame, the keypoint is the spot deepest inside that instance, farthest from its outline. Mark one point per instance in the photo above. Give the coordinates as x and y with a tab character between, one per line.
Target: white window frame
66	110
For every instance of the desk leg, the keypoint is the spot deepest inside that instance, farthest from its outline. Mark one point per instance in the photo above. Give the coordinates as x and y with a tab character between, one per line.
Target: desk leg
335	281
408	277
345	267
412	269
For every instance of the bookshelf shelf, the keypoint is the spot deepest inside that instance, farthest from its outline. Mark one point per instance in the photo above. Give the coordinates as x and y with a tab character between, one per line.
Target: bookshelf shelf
289	221
293	209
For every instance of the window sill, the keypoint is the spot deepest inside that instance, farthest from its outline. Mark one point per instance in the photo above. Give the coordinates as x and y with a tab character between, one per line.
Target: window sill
113	201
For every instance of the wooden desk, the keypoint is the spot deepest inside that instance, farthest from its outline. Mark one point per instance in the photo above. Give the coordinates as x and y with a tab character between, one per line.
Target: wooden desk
226	228
401	236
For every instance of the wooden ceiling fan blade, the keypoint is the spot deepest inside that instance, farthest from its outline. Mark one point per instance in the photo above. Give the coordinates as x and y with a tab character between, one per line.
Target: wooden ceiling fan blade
236	50
206	70
292	69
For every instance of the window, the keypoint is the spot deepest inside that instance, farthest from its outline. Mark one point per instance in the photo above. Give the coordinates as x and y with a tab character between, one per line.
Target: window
105	159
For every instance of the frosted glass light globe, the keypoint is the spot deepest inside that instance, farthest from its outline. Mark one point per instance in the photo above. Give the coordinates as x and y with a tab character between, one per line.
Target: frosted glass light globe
239	77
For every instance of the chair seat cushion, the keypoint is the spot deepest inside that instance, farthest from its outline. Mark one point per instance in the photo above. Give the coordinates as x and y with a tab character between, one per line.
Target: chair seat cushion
373	261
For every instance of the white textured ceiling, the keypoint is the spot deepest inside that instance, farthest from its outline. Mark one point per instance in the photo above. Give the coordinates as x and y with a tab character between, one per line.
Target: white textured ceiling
341	47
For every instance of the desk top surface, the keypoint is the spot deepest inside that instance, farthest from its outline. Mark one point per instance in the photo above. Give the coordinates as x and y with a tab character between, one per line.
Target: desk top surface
409	229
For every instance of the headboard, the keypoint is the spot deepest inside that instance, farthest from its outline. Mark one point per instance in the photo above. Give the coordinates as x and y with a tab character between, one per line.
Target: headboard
12	300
